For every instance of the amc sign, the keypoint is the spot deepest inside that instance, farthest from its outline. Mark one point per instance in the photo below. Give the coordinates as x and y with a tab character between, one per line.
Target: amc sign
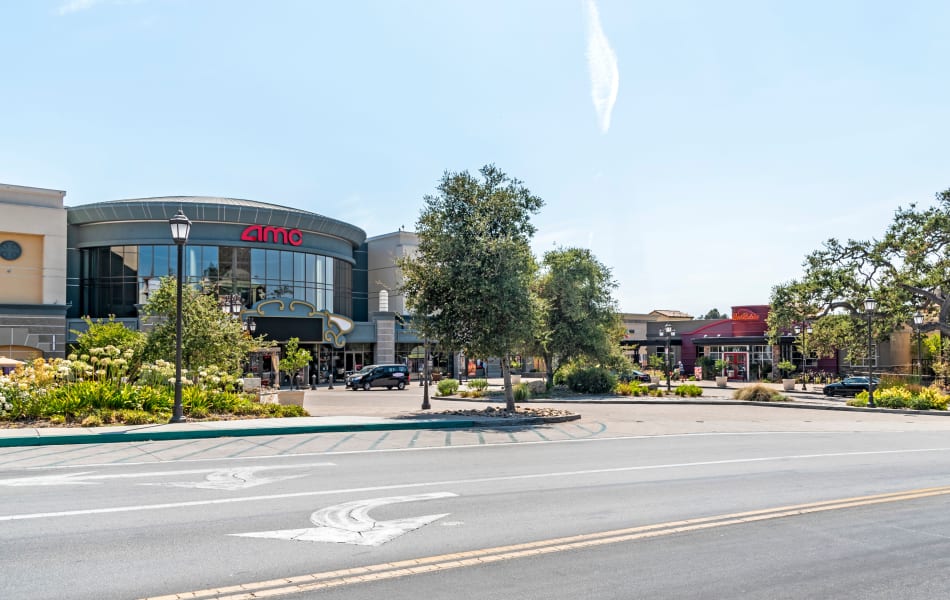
274	235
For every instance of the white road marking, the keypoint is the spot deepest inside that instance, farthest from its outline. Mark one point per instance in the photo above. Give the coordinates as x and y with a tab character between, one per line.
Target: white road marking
435	448
216	479
448	483
350	523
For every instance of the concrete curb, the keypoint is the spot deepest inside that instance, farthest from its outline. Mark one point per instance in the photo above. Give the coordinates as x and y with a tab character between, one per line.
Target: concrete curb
108	437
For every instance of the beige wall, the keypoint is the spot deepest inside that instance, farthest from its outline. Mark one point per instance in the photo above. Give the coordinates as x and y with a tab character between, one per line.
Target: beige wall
21	280
39	219
382	253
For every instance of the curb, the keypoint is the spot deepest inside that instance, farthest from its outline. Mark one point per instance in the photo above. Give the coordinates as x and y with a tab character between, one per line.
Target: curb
154	436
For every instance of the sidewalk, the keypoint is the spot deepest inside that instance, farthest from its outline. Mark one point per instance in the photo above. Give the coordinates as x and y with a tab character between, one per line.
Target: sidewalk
379	410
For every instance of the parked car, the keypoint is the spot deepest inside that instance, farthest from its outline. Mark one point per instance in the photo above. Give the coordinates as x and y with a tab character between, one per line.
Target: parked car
639	376
634	375
849	386
387	376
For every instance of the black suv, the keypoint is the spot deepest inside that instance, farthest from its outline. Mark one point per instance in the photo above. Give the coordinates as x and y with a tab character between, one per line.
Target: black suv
388	376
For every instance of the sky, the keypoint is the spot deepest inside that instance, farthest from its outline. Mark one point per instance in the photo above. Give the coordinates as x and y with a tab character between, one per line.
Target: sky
701	150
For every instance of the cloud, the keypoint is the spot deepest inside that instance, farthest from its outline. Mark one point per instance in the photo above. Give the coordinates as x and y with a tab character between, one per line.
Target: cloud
602	63
74	6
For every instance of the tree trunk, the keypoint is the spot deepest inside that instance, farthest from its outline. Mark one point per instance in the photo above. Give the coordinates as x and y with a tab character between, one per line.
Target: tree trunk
506	375
549	369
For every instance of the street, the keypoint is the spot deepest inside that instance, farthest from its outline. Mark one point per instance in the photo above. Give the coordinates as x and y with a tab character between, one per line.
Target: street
724	502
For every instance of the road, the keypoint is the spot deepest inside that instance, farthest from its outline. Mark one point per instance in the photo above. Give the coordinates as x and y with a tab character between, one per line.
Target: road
725	502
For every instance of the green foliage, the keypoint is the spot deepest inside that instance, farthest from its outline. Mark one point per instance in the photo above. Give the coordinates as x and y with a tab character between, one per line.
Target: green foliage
522	392
478	384
786	367
714	314
294	358
447	387
591	380
915	398
111	334
579	314
632	388
470	280
688	390
720	367
758	393
656	362
209	335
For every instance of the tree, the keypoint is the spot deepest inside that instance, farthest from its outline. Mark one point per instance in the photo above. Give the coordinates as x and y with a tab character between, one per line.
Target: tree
99	334
908	266
713	314
579	315
469	285
294	358
209	335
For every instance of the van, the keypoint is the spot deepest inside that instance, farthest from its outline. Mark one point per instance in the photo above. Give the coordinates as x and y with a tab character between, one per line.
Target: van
388	376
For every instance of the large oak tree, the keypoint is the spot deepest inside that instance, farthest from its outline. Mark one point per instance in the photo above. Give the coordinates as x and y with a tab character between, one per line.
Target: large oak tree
469	285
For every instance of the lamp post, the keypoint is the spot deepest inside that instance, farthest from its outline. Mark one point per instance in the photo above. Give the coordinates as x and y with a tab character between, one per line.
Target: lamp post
803	329
425	377
869	305
918	321
181	227
668	332
332	369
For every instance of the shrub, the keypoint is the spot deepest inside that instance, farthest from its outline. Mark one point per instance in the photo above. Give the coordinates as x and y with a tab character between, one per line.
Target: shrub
521	392
478	384
689	390
758	393
563	372
293	410
92	421
447	387
591	380
913	397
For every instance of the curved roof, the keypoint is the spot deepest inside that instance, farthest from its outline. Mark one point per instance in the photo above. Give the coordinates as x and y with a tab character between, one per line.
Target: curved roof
215	210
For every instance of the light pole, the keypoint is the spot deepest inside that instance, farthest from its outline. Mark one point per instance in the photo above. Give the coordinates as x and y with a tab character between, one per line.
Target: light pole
869	305
918	321
181	227
332	369
668	332
425	377
803	329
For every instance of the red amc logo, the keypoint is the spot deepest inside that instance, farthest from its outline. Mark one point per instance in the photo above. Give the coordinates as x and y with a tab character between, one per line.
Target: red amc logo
276	235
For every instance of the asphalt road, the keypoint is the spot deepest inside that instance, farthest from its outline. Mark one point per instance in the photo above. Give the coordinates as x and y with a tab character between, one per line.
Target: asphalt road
739	502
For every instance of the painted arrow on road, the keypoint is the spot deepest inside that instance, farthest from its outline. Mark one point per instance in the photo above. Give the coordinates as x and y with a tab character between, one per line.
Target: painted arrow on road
232	479
217	479
350	523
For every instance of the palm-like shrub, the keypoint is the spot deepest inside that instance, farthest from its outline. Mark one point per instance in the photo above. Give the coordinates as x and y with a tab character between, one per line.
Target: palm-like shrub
758	393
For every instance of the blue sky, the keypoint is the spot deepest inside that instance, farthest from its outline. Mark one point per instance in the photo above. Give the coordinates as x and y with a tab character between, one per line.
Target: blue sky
727	140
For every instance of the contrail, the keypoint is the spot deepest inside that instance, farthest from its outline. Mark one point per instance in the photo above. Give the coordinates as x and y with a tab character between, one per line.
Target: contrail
602	62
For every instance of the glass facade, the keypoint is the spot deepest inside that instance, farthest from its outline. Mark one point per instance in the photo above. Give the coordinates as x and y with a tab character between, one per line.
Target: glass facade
116	279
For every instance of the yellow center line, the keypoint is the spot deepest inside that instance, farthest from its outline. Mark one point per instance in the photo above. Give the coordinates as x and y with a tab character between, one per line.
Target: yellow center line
429	564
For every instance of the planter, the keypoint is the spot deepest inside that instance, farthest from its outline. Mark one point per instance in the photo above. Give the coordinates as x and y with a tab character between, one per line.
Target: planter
788	384
294	398
515	378
721	381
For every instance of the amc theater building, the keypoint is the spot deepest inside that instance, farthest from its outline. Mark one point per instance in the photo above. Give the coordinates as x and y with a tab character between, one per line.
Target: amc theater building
292	272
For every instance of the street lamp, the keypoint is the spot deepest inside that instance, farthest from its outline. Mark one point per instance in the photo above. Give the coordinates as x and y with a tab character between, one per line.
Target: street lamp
869	305
425	377
181	227
668	332
918	321
332	369
803	329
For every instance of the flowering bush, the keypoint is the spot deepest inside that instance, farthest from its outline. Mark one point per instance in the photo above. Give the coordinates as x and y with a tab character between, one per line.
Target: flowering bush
915	398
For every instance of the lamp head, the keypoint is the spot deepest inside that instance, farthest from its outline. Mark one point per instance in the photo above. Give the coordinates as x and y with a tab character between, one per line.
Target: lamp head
180	226
870	304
